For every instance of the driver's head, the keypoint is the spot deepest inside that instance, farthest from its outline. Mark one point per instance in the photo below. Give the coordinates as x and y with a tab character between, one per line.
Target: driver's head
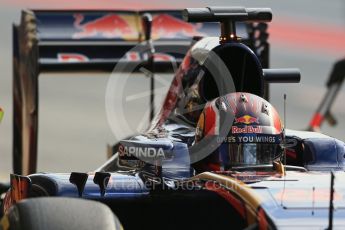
254	138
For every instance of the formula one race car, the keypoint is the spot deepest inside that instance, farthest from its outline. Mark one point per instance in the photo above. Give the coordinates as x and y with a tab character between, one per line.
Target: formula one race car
216	156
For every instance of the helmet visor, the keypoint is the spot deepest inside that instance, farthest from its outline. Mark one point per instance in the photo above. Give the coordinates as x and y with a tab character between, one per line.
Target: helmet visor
248	154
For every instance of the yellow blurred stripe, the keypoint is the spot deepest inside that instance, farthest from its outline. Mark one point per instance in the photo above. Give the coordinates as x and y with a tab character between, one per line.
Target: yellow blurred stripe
1	114
5	224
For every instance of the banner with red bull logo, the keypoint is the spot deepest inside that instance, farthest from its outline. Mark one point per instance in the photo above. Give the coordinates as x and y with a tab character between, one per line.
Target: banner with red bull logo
69	39
120	26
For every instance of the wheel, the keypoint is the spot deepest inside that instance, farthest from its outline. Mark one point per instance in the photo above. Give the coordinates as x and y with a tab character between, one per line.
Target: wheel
57	213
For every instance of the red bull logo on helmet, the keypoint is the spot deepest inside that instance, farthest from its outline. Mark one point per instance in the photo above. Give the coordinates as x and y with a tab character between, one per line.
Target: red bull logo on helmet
108	26
246	129
247	119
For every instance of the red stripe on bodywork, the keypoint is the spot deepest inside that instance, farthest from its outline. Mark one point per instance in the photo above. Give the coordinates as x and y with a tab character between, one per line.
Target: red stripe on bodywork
262	220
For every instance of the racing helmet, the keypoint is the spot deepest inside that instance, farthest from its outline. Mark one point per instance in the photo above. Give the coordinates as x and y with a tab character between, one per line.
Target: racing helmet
254	138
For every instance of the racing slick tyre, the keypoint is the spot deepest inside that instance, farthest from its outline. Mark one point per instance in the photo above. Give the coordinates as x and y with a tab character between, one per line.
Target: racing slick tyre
59	214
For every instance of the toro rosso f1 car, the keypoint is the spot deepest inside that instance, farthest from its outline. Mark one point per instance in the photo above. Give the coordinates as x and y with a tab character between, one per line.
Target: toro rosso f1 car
216	155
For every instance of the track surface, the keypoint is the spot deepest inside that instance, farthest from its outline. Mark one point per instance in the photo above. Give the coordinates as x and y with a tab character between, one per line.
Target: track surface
74	130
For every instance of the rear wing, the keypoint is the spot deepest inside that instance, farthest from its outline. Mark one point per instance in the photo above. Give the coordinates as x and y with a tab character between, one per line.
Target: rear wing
83	40
98	40
67	41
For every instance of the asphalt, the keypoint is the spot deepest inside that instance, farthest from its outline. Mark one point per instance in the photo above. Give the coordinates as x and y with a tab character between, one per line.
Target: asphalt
74	129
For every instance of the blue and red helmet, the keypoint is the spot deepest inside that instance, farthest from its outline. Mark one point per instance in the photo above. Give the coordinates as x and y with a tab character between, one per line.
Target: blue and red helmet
254	138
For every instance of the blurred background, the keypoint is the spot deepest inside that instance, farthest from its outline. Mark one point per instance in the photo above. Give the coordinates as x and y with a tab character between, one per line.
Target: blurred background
73	127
